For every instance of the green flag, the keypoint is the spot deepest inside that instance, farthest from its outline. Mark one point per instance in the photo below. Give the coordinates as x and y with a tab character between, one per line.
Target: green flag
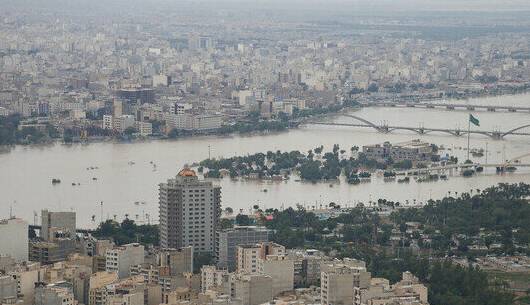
474	120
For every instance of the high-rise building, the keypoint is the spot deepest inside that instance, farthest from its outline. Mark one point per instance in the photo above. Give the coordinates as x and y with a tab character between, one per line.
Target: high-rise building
189	212
14	239
61	221
229	239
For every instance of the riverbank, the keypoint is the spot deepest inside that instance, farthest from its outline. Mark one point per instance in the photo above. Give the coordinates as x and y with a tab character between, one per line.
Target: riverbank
35	138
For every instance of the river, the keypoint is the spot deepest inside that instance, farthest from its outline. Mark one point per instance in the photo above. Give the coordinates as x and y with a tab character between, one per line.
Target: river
26	171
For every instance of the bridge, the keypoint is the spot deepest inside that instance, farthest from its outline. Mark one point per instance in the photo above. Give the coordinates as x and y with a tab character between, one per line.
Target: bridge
496	134
490	108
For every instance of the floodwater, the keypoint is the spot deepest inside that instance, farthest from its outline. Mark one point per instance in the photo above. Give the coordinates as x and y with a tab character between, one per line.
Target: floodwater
125	188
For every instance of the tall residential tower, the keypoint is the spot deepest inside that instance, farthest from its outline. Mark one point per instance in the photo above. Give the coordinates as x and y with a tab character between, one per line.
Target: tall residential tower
189	212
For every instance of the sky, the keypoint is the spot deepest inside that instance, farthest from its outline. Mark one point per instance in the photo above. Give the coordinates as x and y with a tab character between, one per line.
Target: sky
303	7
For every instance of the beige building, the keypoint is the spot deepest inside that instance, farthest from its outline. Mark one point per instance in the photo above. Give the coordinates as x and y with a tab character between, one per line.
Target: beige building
281	269
57	221
97	294
175	261
252	289
340	278
213	278
408	291
121	259
247	255
14	239
136	298
54	294
27	276
414	150
8	290
269	259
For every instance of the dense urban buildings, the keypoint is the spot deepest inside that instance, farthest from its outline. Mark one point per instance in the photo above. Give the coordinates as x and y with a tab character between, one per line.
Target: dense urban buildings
229	239
100	100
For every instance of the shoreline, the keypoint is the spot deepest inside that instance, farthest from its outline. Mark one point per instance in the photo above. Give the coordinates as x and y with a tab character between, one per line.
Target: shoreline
96	140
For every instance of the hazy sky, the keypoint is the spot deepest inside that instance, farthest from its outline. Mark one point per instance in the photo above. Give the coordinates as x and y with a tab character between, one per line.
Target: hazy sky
368	4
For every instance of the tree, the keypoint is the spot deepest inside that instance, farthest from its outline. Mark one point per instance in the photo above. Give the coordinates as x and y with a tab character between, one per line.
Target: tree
129	131
373	87
173	133
243	220
226	223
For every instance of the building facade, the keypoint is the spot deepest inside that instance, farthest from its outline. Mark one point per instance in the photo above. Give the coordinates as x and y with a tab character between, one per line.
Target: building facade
228	240
189	212
14	239
63	221
121	259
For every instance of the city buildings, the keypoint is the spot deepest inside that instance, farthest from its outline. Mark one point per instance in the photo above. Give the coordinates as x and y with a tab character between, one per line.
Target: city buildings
14	239
415	151
97	294
175	262
120	259
252	289
8	290
340	278
189	212
57	221
229	239
249	255
380	292
54	294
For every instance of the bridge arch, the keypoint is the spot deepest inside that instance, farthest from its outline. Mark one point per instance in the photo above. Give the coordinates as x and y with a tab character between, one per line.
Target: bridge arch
374	126
361	120
514	130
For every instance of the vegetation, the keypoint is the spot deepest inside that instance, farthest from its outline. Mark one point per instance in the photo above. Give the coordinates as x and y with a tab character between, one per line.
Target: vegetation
128	232
448	284
445	227
10	133
314	166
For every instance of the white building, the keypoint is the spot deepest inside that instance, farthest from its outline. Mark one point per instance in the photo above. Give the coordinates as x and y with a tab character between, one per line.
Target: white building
120	259
182	108
107	122
14	239
121	123
145	129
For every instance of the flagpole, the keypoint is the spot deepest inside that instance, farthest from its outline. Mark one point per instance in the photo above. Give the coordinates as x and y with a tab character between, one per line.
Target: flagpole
468	134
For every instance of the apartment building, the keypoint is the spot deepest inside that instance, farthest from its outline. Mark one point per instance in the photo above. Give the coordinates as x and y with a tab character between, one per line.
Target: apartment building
121	259
189	212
